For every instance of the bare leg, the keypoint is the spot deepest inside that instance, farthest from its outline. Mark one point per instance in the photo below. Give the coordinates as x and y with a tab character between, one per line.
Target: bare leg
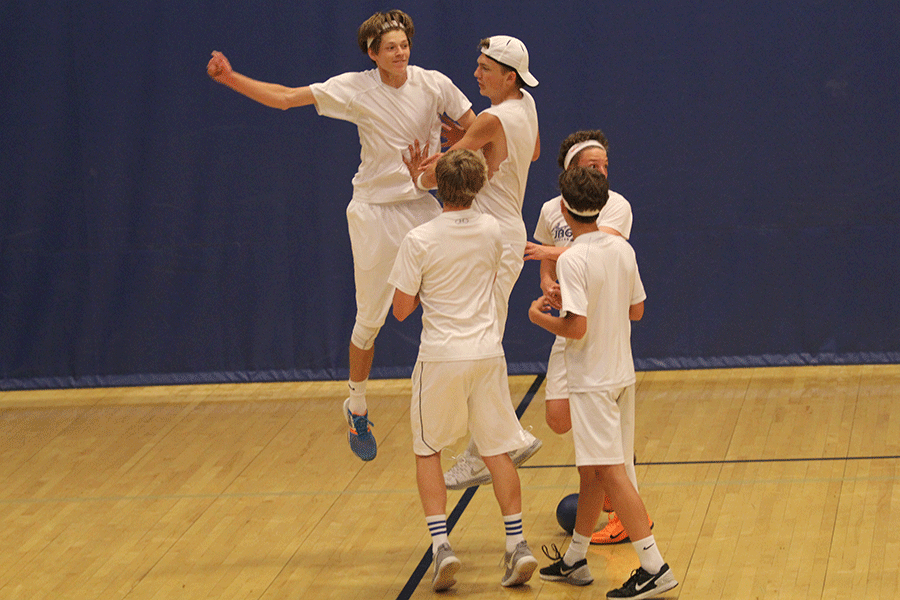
430	479
625	499
360	362
590	500
507	488
557	415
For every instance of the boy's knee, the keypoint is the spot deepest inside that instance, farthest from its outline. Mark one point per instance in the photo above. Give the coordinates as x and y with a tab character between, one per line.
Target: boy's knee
363	336
558	424
558	417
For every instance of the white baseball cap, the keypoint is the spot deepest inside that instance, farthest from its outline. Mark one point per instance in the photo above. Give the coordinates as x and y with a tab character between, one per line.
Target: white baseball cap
511	52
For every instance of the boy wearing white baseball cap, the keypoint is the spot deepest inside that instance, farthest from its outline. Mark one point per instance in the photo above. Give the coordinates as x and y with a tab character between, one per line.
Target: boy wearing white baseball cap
511	53
507	134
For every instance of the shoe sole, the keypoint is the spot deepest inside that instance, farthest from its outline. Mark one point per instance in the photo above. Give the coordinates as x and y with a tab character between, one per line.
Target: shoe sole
667	586
528	452
446	575
522	572
480	480
578	582
662	589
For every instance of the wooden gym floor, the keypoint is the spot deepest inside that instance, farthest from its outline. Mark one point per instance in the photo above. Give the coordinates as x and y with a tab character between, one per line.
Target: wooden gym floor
763	483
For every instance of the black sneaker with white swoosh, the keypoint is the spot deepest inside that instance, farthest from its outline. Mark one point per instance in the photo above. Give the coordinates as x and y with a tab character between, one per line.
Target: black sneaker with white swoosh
577	574
642	584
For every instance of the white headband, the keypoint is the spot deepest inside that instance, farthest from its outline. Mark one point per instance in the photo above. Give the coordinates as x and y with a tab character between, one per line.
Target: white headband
384	27
578	148
580	213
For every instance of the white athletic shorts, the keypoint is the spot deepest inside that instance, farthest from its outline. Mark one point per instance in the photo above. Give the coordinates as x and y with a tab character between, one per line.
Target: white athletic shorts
452	397
602	426
376	231
511	262
557	387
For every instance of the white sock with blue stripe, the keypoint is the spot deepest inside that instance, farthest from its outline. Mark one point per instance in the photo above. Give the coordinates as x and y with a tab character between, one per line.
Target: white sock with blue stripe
513	531
437	525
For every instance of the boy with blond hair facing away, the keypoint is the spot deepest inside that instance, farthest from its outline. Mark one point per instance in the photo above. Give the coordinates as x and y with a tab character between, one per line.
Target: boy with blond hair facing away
601	291
459	382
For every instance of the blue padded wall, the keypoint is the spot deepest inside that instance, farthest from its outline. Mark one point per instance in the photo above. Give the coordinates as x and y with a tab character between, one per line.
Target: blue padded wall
158	228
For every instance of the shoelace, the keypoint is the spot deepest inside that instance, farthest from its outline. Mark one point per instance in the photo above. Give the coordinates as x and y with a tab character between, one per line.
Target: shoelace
632	581
361	424
464	464
464	456
553	547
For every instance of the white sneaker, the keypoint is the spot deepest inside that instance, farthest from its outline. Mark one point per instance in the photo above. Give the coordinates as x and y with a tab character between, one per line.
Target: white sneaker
522	454
468	471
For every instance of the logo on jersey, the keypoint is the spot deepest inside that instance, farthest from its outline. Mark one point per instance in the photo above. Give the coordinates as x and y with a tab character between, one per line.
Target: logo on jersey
561	233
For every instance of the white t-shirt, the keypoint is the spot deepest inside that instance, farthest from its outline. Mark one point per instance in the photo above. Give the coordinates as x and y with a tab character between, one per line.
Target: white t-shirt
552	229
452	262
599	279
388	120
504	193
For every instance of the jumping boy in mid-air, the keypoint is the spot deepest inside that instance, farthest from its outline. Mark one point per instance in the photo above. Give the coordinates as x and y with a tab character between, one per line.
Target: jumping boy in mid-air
388	104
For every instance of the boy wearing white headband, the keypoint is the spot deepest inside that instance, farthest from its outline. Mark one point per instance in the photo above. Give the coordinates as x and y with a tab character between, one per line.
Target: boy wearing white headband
507	135
601	292
587	148
386	104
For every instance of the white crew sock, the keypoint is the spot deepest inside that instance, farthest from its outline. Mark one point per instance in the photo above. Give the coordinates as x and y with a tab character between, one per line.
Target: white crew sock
578	548
357	403
514	534
437	525
648	553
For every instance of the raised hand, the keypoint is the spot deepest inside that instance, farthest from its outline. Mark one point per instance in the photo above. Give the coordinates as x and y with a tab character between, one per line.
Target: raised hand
415	159
218	66
418	160
451	132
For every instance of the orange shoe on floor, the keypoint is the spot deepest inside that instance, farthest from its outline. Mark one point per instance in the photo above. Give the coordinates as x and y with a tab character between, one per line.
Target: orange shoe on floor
614	532
607	504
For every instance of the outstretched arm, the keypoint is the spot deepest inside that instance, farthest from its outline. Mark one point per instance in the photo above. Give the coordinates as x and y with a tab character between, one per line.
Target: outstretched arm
270	94
542	252
484	129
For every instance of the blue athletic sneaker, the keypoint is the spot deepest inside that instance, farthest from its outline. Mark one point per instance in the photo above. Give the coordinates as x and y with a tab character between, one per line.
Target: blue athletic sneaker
362	442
